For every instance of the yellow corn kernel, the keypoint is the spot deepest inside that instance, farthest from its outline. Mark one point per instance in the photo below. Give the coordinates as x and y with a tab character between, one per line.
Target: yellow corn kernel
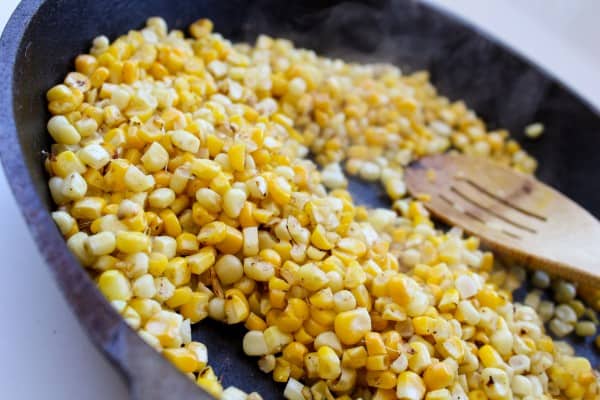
232	243
187	243
180	296
255	323
374	343
157	263
490	357
88	208
114	285
295	352
171	224
329	363
319	239
208	381
381	379
438	376
182	358
213	233
202	261
196	309
237	156
237	308
351	326
410	386
67	163
132	242
178	271
378	362
398	290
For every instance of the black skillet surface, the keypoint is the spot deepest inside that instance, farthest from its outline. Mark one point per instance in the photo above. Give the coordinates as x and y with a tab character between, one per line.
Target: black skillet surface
43	36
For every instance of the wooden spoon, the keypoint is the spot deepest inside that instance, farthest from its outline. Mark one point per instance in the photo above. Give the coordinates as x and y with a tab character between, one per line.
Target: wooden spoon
511	213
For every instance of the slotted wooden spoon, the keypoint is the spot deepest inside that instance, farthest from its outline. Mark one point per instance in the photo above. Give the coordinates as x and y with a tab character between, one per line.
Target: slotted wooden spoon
511	213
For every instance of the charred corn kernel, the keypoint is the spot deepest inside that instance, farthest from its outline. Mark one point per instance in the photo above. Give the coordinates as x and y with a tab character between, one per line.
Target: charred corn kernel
114	285
495	383
237	308
410	386
351	326
190	153
132	242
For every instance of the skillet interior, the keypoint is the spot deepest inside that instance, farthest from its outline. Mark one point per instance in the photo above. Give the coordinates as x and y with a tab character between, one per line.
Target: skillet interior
501	87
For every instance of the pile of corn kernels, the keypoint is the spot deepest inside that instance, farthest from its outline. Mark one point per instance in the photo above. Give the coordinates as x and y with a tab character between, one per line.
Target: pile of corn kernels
182	181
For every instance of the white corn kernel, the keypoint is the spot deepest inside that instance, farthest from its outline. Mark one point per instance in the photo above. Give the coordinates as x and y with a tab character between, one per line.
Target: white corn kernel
233	393
143	287
94	155
155	158
137	181
254	344
55	184
161	198
293	390
76	244
64	221
185	141
233	202
250	236
74	186
101	243
165	245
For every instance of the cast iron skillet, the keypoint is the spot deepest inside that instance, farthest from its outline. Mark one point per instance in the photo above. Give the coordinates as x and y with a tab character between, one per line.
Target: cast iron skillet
43	36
